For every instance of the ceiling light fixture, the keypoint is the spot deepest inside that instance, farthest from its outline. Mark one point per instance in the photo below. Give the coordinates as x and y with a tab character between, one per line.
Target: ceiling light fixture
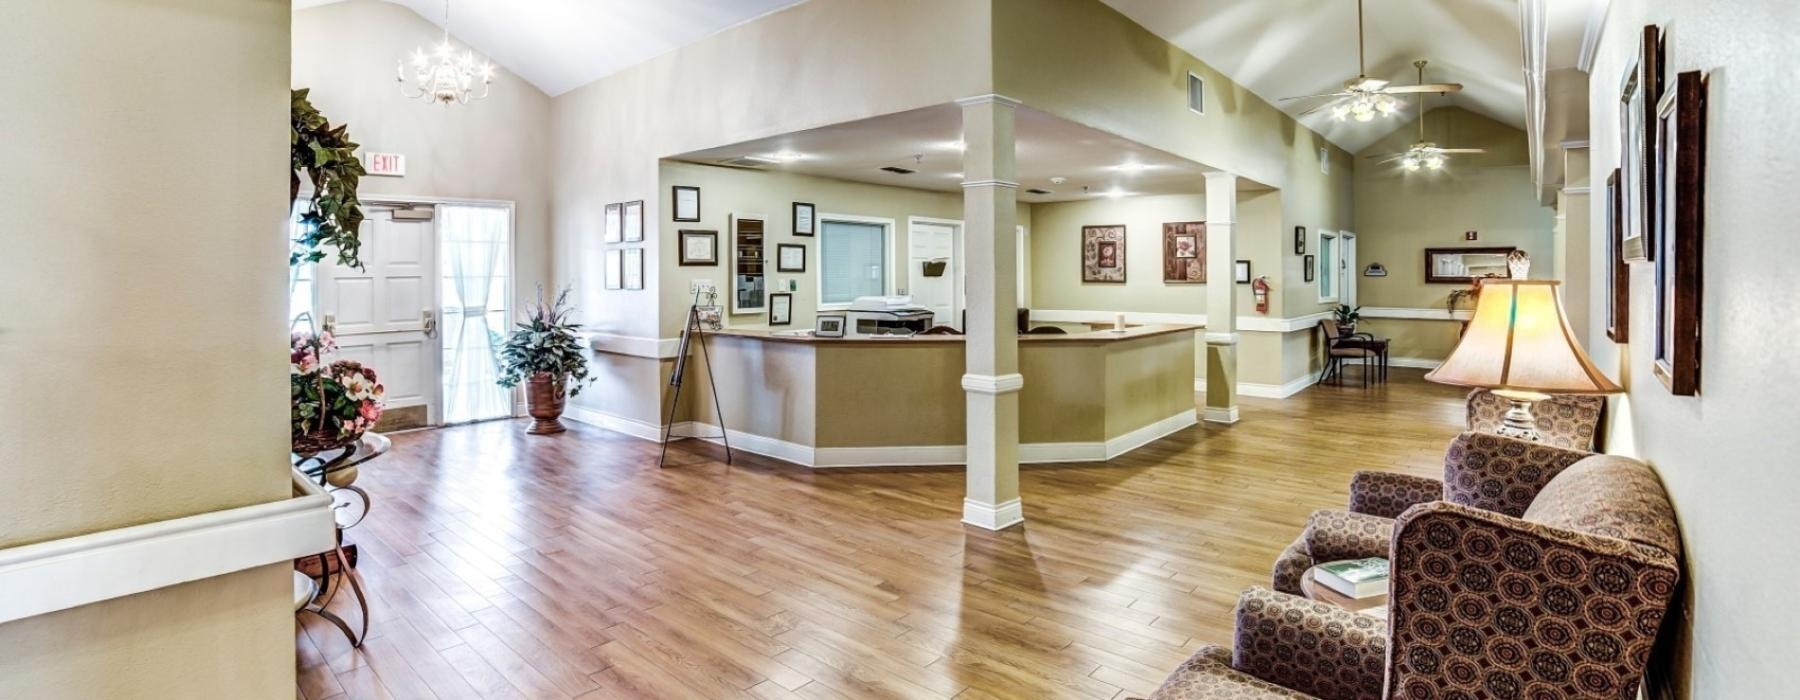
441	75
1132	168
786	156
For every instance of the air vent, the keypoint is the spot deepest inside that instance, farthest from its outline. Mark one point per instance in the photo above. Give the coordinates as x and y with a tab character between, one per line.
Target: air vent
1037	190
897	170
1196	94
746	162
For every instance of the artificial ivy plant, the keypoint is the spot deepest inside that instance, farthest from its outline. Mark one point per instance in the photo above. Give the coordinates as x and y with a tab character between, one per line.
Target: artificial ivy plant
333	216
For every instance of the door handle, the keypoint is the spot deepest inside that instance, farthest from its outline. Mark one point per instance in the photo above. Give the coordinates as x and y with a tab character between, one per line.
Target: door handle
428	318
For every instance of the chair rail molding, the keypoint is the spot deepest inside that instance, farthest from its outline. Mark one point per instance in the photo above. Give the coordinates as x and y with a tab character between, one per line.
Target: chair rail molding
1438	314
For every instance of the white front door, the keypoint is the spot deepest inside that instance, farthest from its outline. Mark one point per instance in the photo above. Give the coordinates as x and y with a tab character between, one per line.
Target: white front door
384	314
934	270
1348	272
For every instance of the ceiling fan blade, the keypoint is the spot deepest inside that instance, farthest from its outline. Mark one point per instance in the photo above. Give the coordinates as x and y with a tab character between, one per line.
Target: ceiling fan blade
1308	97
1321	106
1462	150
1433	87
1389	156
1390	160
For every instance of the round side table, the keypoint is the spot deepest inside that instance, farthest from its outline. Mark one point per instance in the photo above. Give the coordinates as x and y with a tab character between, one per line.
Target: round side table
1372	605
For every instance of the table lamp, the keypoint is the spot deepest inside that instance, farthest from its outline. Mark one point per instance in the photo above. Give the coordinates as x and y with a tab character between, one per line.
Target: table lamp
1519	344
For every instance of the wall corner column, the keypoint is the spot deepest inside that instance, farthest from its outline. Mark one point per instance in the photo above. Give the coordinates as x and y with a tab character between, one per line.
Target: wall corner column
1221	298
991	379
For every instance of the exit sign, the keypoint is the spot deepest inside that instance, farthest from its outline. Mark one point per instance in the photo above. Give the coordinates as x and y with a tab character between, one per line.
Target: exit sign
389	164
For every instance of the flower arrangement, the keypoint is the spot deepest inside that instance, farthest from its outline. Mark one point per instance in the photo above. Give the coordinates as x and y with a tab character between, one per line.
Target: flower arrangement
545	343
334	402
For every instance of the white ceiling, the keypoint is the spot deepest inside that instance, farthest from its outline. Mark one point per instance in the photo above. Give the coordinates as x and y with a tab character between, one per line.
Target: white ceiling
560	45
927	140
1279	48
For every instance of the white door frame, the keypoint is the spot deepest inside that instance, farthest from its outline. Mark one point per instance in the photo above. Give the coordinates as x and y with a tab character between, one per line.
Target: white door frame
1347	271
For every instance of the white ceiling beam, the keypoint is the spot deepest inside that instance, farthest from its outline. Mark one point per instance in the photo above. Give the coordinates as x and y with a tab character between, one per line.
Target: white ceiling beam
1590	35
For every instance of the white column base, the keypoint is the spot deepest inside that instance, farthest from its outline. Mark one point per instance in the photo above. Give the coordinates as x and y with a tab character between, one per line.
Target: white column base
1227	415
993	517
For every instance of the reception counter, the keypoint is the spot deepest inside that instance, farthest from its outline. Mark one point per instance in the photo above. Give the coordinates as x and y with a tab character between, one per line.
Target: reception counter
848	402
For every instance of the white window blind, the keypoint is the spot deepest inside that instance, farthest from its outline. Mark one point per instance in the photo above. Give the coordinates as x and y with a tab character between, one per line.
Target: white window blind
852	261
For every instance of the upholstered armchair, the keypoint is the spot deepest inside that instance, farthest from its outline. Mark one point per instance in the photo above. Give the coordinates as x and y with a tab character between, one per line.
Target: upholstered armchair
1561	602
1481	470
1568	421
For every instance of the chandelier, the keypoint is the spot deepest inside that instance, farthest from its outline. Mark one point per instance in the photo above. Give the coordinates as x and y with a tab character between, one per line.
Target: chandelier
442	75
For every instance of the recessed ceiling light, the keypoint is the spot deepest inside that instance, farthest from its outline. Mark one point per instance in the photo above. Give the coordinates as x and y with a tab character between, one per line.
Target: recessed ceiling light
1115	193
786	156
954	176
1058	180
1132	168
956	145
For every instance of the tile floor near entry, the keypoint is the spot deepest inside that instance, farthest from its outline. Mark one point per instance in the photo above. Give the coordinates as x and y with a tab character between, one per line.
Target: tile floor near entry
505	565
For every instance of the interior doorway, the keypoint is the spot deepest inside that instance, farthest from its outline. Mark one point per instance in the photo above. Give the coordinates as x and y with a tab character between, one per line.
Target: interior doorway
934	268
1347	270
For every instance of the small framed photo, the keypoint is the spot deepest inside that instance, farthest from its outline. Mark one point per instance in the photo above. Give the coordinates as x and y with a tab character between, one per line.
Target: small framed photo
686	201
615	225
711	315
615	269
829	326
1308	266
634	268
804	219
1242	271
634	221
1300	241
790	258
781	308
699	248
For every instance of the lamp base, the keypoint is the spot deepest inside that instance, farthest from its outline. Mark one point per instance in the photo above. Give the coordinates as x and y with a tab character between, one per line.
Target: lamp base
1518	421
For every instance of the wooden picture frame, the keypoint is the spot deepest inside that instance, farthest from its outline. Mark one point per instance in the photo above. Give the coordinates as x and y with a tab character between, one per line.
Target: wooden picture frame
806	219
1309	265
684	201
614	226
1299	240
1434	276
1103	254
1639	94
1681	162
634	221
781	308
1617	297
784	260
698	248
1241	271
1184	252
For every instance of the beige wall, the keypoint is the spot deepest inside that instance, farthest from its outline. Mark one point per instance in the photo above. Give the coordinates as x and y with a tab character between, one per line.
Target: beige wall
496	149
1727	456
145	182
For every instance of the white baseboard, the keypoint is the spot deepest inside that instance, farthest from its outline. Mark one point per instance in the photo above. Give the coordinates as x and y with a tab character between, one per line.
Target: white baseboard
993	517
1222	415
1150	433
1055	452
74	571
618	424
1268	391
908	456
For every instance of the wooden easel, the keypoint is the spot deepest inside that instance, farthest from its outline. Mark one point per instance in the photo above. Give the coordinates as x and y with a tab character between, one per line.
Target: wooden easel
692	332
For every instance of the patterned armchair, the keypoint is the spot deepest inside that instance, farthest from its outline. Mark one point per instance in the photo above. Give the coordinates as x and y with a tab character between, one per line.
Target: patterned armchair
1481	470
1561	602
1566	421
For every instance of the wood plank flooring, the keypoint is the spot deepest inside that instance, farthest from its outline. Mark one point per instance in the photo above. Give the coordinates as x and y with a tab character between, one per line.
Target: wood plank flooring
507	565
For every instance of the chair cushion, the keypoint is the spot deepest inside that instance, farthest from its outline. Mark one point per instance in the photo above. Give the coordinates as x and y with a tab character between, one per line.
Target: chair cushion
1208	675
1610	496
1332	535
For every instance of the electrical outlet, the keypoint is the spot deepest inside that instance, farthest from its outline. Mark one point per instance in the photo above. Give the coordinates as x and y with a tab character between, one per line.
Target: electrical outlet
698	284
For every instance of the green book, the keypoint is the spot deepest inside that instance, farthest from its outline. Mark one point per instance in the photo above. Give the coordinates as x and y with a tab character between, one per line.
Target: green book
1355	578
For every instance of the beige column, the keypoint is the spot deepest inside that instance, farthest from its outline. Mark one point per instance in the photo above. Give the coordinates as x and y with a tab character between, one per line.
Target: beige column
991	378
1221	298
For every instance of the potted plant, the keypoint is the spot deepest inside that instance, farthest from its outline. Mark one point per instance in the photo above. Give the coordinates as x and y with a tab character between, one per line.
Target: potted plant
1347	317
333	402
545	353
327	157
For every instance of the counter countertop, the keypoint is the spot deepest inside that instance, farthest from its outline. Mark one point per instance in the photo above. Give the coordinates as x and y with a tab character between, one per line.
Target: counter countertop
1103	336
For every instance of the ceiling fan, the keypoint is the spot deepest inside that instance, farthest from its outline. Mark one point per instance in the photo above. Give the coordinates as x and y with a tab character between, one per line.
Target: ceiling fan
1363	97
1423	154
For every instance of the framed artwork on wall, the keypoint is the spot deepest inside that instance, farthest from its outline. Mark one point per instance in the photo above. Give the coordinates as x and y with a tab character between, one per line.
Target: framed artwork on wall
1308	265
615	269
1299	240
1617	273
1241	271
1184	252
781	309
1103	253
804	219
634	268
699	248
790	257
615	225
1639	92
1680	164
685	202
634	221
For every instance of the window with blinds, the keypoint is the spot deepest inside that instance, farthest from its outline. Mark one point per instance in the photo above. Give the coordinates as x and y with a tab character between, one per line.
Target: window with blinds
852	261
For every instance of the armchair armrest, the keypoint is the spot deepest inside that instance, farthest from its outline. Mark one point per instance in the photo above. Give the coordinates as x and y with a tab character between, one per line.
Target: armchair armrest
1501	474
1315	648
1388	494
1331	535
1486	600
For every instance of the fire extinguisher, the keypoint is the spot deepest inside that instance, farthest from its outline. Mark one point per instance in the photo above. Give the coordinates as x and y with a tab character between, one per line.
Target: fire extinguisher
1260	288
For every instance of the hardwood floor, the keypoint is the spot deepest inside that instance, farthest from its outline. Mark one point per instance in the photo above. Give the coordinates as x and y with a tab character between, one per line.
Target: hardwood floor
506	565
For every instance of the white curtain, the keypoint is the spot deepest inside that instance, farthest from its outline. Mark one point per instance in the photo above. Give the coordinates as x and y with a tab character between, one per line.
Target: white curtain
474	258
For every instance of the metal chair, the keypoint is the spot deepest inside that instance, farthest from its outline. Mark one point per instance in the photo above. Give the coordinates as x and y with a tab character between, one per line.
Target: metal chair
1337	351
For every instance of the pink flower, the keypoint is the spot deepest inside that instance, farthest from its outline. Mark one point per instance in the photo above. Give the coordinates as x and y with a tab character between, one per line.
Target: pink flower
370	411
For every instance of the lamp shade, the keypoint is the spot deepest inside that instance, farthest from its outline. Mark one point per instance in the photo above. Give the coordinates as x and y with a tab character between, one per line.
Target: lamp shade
1520	340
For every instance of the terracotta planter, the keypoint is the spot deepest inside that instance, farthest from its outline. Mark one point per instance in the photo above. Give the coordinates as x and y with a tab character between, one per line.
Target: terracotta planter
544	398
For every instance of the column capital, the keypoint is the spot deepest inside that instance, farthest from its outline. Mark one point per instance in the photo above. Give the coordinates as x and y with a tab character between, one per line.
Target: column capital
1220	176
1221	338
988	384
990	97
1008	184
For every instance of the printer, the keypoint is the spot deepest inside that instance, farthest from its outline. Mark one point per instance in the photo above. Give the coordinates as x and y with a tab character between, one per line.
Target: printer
881	315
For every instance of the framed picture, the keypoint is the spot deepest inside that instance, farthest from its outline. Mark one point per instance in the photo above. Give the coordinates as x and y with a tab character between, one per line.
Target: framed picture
1680	164
829	326
790	258
1639	92
615	269
804	221
1308	266
1103	253
1241	271
699	248
1617	273
1184	252
1300	240
634	268
615	225
685	202
634	221
781	309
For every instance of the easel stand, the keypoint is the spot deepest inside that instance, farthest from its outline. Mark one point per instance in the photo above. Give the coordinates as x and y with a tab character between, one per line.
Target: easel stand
694	333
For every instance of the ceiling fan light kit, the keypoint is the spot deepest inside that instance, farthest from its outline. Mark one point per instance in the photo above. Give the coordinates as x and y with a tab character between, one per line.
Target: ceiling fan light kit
1364	98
